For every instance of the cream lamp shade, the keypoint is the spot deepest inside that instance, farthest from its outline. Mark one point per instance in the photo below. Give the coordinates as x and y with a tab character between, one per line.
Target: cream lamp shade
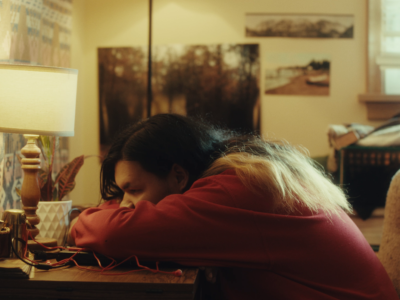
37	100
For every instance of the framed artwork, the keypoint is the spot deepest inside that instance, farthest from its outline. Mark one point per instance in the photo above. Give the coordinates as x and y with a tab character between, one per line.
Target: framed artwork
297	74
299	25
218	83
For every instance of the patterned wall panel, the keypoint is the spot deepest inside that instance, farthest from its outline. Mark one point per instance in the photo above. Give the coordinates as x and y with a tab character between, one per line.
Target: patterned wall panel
36	32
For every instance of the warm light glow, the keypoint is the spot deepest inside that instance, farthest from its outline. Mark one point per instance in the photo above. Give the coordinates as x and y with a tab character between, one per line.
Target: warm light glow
37	100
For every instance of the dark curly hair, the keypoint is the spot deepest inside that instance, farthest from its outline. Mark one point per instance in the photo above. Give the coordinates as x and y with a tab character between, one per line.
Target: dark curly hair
159	142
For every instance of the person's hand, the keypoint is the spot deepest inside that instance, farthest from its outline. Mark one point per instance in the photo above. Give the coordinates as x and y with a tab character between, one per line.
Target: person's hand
210	273
70	240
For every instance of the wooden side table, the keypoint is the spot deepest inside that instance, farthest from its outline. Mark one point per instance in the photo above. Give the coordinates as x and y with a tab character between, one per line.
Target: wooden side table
73	283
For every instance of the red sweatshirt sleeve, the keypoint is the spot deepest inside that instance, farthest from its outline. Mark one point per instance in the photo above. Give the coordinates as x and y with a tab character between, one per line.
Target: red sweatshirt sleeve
110	204
204	226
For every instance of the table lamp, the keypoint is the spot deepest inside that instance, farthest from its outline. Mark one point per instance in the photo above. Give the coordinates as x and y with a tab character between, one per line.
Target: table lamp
36	100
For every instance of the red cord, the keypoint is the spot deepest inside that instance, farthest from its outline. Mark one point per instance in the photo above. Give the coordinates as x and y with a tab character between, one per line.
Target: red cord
102	270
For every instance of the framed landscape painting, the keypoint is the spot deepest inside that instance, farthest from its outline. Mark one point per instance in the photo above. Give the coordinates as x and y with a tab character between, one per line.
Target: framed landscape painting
297	74
300	25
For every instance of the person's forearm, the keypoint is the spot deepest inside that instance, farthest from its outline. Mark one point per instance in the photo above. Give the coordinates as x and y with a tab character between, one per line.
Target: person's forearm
180	229
70	239
77	210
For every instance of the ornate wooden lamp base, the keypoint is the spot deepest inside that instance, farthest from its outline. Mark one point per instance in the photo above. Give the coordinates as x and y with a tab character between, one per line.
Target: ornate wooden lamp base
30	192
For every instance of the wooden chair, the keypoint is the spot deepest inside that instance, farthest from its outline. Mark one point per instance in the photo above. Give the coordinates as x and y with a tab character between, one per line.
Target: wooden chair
389	251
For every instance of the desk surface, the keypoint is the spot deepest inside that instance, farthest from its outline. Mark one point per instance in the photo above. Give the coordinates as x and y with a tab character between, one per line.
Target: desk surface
74	283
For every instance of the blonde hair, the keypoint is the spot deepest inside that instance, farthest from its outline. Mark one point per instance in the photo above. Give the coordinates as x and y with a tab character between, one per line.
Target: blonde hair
287	173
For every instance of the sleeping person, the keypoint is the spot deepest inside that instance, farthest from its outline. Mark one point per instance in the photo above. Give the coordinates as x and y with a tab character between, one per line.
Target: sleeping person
259	213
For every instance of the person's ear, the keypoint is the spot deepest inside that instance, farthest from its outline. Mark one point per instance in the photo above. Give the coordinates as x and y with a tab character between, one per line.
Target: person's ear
180	177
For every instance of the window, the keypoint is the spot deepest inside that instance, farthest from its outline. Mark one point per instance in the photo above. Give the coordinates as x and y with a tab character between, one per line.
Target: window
384	47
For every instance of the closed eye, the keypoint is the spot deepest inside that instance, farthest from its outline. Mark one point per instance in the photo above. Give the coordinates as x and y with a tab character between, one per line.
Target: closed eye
132	192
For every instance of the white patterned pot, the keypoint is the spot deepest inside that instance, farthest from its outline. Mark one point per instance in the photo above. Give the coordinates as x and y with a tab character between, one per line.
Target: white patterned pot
54	219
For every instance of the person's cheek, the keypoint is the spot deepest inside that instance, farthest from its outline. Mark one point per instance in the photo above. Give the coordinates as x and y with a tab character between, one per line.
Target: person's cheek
162	193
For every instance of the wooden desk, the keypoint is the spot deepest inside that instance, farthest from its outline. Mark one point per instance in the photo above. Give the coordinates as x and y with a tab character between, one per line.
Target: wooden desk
74	283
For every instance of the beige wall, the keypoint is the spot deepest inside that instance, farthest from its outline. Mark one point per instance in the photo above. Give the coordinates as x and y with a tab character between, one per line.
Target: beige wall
300	120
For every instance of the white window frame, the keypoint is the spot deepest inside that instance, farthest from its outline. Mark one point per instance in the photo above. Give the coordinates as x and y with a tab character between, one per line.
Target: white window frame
379	60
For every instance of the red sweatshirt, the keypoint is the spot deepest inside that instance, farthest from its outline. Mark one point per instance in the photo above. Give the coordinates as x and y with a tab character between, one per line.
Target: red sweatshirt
261	255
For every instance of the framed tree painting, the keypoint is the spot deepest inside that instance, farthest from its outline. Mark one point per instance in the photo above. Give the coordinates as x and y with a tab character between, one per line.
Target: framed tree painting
218	83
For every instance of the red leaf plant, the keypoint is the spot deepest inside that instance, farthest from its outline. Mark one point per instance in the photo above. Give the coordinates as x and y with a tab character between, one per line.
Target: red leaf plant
65	181
55	190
